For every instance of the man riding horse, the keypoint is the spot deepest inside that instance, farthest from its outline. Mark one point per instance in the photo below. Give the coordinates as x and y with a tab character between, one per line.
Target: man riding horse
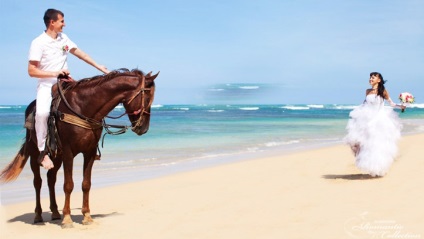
79	117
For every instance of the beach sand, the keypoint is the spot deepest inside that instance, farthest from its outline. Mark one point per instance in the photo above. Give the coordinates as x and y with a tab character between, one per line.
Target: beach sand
315	193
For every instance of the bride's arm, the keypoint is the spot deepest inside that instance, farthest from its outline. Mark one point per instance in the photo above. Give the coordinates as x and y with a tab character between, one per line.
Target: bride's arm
392	104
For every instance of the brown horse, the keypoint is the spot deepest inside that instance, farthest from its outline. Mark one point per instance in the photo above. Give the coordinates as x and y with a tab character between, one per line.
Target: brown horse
91	99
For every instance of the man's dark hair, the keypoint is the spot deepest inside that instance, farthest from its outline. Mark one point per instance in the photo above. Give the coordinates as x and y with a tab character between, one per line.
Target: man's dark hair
51	14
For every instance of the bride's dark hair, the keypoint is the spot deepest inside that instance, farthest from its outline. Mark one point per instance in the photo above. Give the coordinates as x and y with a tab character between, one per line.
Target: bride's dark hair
380	88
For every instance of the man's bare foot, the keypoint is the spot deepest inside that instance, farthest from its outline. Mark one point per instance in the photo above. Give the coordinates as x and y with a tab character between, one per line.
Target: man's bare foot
47	162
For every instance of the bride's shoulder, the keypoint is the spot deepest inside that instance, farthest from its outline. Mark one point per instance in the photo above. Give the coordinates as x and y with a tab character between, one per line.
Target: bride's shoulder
368	91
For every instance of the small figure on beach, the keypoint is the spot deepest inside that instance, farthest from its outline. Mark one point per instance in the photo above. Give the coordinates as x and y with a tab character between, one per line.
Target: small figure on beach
47	60
373	129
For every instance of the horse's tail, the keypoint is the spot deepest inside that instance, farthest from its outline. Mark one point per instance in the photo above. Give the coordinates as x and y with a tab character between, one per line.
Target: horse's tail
12	171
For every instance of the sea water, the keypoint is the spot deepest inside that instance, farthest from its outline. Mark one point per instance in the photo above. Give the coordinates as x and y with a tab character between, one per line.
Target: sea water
185	137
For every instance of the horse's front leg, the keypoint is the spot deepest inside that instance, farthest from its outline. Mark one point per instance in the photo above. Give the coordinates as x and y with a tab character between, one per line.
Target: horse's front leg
86	186
68	187
51	179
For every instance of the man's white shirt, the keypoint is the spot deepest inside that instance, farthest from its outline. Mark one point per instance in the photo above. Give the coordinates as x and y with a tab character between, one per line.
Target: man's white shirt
51	53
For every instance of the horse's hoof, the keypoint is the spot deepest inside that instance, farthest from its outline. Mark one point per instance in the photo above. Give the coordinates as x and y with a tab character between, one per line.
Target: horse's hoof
38	219
67	222
67	225
85	222
87	219
56	216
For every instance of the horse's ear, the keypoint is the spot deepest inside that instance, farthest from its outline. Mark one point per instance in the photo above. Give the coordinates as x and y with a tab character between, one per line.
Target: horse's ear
153	76
149	74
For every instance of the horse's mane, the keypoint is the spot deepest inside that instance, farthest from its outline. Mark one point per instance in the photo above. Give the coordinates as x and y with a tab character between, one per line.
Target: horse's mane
95	80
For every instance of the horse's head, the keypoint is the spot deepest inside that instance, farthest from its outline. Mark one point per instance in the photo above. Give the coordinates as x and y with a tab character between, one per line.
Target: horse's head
139	104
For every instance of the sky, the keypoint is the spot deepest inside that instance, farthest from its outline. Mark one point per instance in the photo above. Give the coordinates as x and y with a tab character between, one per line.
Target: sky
230	51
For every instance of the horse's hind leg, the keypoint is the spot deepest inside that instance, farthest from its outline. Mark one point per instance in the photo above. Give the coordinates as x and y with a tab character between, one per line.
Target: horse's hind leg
37	181
51	180
86	186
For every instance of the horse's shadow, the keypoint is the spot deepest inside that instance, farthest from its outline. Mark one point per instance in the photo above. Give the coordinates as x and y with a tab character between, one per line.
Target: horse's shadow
359	176
28	218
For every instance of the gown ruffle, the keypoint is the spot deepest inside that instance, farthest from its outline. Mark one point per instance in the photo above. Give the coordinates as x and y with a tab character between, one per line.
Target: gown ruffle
376	129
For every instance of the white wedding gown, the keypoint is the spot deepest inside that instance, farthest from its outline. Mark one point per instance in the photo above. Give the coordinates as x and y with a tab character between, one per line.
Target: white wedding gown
376	129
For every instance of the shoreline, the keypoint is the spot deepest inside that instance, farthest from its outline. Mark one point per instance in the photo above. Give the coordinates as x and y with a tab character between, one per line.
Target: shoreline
25	190
315	192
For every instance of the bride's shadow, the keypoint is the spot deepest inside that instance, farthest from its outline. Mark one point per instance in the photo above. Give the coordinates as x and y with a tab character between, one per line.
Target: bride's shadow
359	176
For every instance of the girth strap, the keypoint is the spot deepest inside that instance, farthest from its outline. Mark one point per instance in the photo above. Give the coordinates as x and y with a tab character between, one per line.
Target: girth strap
75	120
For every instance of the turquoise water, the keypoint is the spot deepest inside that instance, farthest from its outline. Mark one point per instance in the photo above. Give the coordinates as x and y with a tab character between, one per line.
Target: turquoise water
183	137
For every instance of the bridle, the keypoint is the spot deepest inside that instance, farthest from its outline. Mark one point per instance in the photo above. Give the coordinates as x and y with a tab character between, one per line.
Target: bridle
140	91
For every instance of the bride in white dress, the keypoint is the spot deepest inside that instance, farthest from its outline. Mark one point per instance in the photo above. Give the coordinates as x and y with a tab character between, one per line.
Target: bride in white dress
373	129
